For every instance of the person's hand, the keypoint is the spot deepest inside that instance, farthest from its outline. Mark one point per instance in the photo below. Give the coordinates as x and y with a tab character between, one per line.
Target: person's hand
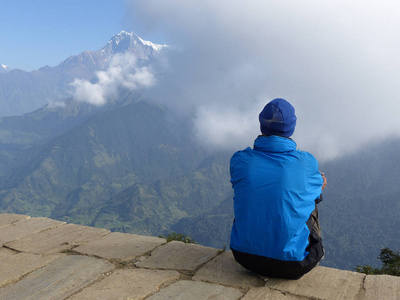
325	182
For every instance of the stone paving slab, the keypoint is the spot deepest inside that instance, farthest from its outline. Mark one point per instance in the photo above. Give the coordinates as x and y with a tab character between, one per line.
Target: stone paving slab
6	252
7	219
15	266
197	290
120	246
264	293
322	283
178	256
382	287
59	279
26	273
223	269
57	239
24	227
127	284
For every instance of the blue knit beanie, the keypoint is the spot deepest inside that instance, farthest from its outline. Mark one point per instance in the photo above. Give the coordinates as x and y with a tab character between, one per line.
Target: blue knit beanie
278	118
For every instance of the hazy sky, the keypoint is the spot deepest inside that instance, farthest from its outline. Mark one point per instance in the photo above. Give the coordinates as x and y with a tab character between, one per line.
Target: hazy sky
336	61
45	32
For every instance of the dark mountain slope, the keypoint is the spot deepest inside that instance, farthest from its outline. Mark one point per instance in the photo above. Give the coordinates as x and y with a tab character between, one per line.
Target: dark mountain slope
361	210
136	143
212	227
152	209
24	137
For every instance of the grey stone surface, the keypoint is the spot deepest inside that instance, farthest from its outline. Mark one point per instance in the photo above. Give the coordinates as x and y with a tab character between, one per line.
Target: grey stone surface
120	246
57	239
127	284
7	219
34	268
14	266
382	287
178	256
6	252
223	269
269	294
59	279
197	290
322	283
27	226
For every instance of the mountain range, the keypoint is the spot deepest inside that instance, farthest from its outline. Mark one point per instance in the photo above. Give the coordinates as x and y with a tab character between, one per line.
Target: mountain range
22	92
132	165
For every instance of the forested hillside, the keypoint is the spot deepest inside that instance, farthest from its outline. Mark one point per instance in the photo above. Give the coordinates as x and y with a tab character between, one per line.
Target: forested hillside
131	166
361	210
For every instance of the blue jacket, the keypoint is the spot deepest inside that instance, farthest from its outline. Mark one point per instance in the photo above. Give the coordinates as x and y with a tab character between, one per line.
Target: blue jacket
275	188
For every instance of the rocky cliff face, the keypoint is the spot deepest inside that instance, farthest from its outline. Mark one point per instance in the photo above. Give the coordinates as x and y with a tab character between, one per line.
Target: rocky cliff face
43	258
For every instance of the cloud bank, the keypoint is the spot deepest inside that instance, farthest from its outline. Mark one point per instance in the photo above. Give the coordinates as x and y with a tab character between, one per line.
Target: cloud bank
336	61
122	72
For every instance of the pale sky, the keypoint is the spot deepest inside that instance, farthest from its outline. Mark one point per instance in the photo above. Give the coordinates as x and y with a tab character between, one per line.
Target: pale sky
46	32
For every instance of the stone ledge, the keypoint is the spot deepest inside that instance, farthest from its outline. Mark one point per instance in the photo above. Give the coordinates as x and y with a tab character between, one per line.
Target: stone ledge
120	246
47	259
178	256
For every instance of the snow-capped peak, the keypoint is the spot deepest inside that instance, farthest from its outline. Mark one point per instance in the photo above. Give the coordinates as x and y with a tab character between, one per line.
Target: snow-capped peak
123	32
118	38
156	47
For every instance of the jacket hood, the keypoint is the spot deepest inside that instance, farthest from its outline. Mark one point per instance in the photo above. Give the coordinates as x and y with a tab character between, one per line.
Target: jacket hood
274	143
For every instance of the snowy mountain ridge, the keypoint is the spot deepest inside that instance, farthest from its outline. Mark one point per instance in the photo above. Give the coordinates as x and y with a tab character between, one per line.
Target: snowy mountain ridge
22	92
129	41
117	38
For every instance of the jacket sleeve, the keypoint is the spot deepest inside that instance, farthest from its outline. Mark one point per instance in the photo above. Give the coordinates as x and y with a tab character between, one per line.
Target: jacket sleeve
314	180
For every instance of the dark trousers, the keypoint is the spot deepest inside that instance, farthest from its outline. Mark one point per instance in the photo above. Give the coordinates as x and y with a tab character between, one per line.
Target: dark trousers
314	222
270	267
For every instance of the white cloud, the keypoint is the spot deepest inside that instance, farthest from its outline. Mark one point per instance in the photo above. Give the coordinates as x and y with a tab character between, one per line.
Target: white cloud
55	104
122	71
336	61
226	128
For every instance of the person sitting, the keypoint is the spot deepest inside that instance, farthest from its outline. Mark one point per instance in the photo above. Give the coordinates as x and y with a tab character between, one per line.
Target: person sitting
276	230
